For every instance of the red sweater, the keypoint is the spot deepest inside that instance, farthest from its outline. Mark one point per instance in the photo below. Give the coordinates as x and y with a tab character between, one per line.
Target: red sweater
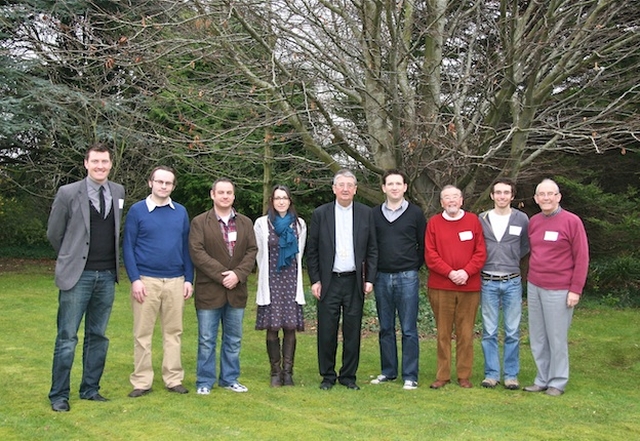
559	252
453	245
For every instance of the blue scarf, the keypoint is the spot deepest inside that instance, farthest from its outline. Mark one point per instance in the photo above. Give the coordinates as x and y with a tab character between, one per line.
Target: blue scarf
288	240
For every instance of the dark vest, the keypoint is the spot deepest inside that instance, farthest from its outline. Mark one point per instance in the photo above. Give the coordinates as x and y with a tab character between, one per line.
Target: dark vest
102	244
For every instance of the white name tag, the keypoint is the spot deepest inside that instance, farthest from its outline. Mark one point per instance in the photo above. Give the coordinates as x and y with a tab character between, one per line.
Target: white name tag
551	236
465	235
121	203
515	230
233	236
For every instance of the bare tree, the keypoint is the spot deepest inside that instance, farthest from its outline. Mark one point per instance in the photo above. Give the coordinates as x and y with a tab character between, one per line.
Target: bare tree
450	91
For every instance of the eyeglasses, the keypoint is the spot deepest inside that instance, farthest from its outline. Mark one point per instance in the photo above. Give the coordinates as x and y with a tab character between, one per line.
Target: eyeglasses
163	183
281	198
547	195
348	185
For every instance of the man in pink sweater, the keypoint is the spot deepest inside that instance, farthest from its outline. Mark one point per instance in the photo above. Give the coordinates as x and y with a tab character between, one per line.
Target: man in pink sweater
454	253
558	269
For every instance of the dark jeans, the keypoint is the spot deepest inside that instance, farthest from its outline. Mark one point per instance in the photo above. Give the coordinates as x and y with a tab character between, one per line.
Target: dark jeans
92	297
398	292
341	299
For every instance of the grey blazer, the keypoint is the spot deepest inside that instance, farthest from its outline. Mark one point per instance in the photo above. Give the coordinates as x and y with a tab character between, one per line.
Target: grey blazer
68	230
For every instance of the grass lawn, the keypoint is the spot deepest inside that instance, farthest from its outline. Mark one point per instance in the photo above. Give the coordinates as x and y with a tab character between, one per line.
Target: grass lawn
602	401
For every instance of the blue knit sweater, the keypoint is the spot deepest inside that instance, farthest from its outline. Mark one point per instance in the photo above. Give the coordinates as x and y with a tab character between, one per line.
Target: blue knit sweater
156	243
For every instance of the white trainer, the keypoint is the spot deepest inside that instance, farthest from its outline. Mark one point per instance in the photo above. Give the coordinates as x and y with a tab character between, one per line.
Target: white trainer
381	379
236	387
410	385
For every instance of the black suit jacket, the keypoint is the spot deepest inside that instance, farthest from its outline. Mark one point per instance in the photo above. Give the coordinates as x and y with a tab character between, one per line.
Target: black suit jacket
321	245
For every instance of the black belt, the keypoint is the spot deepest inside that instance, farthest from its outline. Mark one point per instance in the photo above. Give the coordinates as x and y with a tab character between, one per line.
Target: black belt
346	274
494	278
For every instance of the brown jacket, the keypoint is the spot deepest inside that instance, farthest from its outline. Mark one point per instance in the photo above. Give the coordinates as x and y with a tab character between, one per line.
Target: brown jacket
210	258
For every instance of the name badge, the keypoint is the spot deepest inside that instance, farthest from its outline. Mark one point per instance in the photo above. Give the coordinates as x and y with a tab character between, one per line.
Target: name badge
233	236
515	230
121	203
465	235
551	236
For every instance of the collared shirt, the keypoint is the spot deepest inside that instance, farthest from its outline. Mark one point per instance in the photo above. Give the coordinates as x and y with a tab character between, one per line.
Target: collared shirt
391	214
93	190
345	259
229	230
151	205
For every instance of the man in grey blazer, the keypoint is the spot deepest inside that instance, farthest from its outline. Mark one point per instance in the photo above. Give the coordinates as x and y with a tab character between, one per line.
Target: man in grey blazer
84	230
342	256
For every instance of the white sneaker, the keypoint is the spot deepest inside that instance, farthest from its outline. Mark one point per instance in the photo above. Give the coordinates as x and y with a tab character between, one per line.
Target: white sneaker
381	379
203	391
410	385
236	387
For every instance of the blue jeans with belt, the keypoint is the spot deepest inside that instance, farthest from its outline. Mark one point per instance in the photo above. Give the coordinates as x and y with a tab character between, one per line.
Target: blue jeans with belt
92	297
398	292
508	294
209	321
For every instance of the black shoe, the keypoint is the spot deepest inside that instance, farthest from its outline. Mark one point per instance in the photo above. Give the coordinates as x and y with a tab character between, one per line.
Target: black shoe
139	392
61	406
352	386
96	397
326	385
179	389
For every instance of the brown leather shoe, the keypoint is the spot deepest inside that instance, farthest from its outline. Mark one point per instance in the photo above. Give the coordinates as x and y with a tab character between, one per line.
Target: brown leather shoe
463	382
439	383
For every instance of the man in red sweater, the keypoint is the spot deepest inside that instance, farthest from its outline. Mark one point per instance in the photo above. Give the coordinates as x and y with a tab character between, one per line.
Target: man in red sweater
454	253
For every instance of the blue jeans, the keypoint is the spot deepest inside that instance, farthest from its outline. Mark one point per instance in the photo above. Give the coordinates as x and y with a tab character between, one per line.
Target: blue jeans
398	292
507	293
92	297
208	323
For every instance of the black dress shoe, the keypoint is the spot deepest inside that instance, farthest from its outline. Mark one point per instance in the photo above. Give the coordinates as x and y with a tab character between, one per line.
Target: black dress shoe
352	386
326	385
61	406
96	397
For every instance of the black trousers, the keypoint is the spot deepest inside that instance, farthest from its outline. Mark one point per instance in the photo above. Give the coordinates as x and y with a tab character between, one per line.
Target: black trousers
342	299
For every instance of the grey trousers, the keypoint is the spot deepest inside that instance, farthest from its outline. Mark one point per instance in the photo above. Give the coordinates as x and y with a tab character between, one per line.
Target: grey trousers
549	322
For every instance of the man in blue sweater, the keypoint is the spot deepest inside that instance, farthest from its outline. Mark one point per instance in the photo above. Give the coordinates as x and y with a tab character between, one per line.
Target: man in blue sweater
400	228
156	257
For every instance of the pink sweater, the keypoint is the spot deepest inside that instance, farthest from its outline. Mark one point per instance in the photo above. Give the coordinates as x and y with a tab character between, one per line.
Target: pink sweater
453	245
559	252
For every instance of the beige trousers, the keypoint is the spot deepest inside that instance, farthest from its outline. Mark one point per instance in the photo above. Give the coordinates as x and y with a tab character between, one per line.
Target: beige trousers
164	299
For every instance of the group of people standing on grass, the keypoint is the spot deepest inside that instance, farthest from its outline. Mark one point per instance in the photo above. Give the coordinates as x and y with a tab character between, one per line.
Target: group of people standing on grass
350	249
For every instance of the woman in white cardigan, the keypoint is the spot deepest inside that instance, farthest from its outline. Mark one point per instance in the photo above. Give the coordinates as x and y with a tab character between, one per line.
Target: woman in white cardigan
281	236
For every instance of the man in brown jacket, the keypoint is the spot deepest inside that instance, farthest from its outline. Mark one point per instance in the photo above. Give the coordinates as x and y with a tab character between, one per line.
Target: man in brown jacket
223	249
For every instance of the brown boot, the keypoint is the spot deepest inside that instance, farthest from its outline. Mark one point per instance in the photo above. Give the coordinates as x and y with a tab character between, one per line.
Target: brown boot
288	354
273	349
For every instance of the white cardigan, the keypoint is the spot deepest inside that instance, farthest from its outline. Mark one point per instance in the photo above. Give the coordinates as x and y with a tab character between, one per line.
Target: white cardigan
261	229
